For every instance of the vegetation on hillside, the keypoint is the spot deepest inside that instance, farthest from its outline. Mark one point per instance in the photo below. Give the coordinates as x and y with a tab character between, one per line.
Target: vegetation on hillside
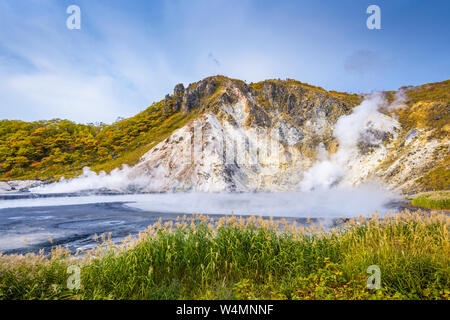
55	148
436	91
428	107
438	177
252	258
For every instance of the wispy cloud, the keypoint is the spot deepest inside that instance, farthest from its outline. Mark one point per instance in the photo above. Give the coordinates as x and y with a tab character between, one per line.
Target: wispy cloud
48	71
213	59
363	62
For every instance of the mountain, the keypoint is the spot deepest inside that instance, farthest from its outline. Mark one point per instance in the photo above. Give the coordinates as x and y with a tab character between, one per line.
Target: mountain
222	134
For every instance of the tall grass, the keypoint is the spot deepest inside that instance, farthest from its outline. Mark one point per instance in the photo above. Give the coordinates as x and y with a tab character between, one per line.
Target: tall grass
237	258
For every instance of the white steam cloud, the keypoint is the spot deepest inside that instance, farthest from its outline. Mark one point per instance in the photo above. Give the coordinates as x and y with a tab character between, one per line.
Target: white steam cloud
399	100
349	130
119	180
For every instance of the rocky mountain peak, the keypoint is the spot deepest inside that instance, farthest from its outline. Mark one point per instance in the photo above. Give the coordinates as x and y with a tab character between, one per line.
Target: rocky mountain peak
178	90
274	134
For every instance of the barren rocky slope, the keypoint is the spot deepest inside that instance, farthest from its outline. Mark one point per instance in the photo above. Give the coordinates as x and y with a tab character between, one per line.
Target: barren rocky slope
282	135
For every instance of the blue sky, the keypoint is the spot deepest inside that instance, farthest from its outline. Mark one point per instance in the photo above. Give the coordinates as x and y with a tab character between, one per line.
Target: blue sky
129	54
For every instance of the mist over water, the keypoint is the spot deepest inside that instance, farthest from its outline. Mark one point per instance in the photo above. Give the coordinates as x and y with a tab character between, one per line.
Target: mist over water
319	203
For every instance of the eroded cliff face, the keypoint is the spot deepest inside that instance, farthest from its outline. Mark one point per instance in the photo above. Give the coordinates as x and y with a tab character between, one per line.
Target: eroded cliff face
285	135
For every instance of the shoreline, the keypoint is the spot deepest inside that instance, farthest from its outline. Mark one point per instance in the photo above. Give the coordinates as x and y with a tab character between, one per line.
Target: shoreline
75	226
100	218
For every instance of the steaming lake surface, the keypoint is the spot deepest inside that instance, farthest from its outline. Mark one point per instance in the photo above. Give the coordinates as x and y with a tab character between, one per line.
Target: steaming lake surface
29	220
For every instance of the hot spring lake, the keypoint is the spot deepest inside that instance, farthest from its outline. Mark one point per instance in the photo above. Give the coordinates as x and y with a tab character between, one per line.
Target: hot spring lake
29	220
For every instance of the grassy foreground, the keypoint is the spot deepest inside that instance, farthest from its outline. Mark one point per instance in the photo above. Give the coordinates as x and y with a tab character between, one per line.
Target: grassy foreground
249	259
439	200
